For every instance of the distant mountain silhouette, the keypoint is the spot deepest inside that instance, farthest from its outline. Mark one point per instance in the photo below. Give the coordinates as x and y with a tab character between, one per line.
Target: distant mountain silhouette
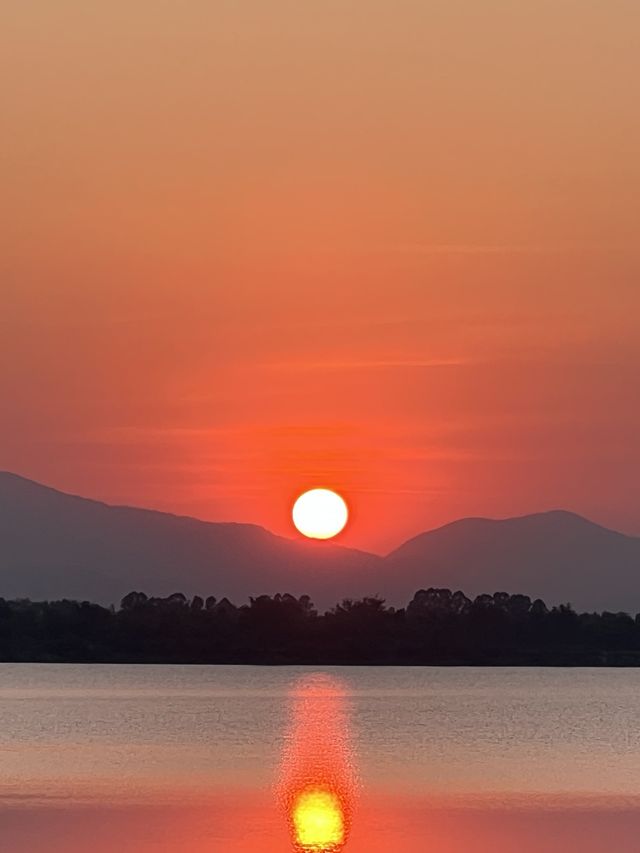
557	556
55	545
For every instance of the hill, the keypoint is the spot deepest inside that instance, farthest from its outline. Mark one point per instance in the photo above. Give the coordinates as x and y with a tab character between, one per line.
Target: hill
55	545
557	556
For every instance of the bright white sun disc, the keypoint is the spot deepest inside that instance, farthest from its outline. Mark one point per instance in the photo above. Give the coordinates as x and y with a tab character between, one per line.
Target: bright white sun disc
320	514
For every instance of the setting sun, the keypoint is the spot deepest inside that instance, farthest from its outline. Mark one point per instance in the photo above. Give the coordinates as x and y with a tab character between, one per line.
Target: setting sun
320	514
318	820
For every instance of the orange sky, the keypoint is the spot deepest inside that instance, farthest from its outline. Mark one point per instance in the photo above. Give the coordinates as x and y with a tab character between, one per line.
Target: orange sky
392	248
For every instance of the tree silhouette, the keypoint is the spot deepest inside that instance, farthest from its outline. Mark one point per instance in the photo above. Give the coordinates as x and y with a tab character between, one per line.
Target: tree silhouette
438	626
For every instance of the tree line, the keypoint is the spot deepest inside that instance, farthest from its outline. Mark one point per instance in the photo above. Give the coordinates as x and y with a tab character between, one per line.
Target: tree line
437	627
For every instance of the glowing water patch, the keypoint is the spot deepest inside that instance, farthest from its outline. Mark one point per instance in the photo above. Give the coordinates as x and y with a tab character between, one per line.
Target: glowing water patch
318	820
317	780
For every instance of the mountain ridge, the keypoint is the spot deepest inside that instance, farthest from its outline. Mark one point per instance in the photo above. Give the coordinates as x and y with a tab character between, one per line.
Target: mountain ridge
146	511
465	520
55	544
472	520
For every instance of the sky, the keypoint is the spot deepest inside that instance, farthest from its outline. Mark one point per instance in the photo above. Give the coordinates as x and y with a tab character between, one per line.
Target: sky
391	248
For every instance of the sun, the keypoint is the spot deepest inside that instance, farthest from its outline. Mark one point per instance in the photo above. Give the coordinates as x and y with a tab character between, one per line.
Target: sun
320	514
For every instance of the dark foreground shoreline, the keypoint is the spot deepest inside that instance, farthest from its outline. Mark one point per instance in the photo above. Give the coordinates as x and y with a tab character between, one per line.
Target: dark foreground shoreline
437	628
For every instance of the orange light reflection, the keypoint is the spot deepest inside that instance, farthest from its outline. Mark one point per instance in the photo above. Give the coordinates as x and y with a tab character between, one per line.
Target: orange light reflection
317	781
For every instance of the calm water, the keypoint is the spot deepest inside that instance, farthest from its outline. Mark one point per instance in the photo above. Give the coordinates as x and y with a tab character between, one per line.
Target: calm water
196	758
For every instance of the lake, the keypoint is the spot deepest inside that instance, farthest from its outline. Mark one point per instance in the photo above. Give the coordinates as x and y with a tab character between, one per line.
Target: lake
175	758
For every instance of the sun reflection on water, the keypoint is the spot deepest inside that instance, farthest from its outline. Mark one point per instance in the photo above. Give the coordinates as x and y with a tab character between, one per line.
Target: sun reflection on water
317	779
318	820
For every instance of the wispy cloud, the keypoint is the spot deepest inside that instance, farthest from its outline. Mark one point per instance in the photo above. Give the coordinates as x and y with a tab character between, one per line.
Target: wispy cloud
374	364
497	248
469	249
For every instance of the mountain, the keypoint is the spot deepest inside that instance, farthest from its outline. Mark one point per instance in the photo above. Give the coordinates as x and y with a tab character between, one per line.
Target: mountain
557	556
55	545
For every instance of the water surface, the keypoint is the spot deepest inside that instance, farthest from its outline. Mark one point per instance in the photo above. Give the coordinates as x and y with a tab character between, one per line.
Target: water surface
172	758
